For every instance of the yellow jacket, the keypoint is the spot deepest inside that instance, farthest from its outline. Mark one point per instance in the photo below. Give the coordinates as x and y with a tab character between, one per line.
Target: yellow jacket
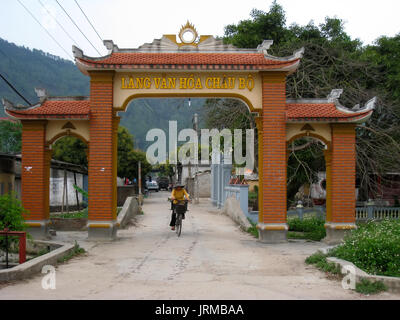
179	194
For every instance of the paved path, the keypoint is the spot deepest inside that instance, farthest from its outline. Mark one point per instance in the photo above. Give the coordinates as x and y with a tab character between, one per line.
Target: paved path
213	259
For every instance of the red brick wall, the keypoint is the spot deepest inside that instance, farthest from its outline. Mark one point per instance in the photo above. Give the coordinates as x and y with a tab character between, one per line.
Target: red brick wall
35	181
343	170
274	147
101	166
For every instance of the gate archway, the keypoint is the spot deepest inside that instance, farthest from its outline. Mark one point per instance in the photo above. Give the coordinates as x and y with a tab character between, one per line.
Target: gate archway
203	66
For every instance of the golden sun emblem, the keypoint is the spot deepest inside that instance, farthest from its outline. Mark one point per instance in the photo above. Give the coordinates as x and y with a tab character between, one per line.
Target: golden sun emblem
188	33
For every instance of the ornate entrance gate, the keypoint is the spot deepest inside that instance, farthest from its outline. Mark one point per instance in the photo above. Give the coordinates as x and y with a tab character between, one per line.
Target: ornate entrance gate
197	67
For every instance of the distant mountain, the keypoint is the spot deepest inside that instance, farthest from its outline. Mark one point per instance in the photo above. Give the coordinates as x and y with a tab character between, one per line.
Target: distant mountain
27	69
145	114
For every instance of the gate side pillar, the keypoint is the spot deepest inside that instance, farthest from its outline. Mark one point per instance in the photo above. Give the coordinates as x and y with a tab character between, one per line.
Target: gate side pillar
35	175
273	223
102	224
341	218
259	123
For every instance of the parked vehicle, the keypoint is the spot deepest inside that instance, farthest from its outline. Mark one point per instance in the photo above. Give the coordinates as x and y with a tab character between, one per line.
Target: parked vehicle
163	183
152	185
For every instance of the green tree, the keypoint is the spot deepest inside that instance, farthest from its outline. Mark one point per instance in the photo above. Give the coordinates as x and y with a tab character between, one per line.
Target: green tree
262	25
11	211
332	59
70	149
10	137
128	157
125	150
165	170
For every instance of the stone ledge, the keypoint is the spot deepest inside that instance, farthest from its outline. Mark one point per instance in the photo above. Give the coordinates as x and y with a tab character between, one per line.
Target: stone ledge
34	266
128	211
232	209
392	283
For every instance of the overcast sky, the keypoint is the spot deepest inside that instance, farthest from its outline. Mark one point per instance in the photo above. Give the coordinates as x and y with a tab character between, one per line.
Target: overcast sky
130	23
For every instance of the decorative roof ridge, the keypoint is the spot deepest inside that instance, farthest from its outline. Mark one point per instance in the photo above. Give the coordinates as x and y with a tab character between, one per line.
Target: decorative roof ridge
333	98
68	98
10	106
78	54
308	101
266	44
205	44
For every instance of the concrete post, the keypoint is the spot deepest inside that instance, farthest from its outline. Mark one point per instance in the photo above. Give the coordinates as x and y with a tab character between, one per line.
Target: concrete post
244	197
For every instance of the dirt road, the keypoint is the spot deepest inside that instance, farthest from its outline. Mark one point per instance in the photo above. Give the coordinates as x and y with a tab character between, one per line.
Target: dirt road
212	259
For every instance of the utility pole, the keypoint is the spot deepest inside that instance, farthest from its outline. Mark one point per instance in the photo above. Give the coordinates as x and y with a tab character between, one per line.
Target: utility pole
140	178
196	176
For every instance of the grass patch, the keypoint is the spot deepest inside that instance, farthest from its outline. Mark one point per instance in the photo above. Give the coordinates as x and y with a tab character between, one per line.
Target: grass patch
319	260
311	228
365	286
373	247
41	252
368	287
253	229
73	215
77	250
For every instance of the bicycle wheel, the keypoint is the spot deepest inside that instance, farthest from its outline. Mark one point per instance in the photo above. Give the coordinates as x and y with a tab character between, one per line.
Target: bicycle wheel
178	224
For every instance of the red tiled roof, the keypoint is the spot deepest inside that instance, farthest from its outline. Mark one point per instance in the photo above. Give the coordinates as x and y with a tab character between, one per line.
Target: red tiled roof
145	59
75	109
321	112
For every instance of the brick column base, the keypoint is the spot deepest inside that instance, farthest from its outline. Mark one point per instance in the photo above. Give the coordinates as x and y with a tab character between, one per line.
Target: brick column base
335	232
102	230
272	232
38	229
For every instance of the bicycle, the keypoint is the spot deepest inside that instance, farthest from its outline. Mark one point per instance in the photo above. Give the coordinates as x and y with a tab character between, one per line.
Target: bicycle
180	209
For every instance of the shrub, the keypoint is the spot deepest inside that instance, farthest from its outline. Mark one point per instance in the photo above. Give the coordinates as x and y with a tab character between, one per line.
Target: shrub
313	228
253	229
374	247
11	211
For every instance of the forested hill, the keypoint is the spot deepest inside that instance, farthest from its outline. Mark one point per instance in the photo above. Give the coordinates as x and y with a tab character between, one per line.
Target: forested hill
27	69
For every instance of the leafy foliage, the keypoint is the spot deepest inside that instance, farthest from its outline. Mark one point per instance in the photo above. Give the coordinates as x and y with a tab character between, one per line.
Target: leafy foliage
11	211
10	137
70	149
313	228
165	170
128	158
333	60
374	247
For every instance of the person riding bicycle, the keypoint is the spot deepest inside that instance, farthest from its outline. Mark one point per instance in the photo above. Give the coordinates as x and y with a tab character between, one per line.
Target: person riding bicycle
178	193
